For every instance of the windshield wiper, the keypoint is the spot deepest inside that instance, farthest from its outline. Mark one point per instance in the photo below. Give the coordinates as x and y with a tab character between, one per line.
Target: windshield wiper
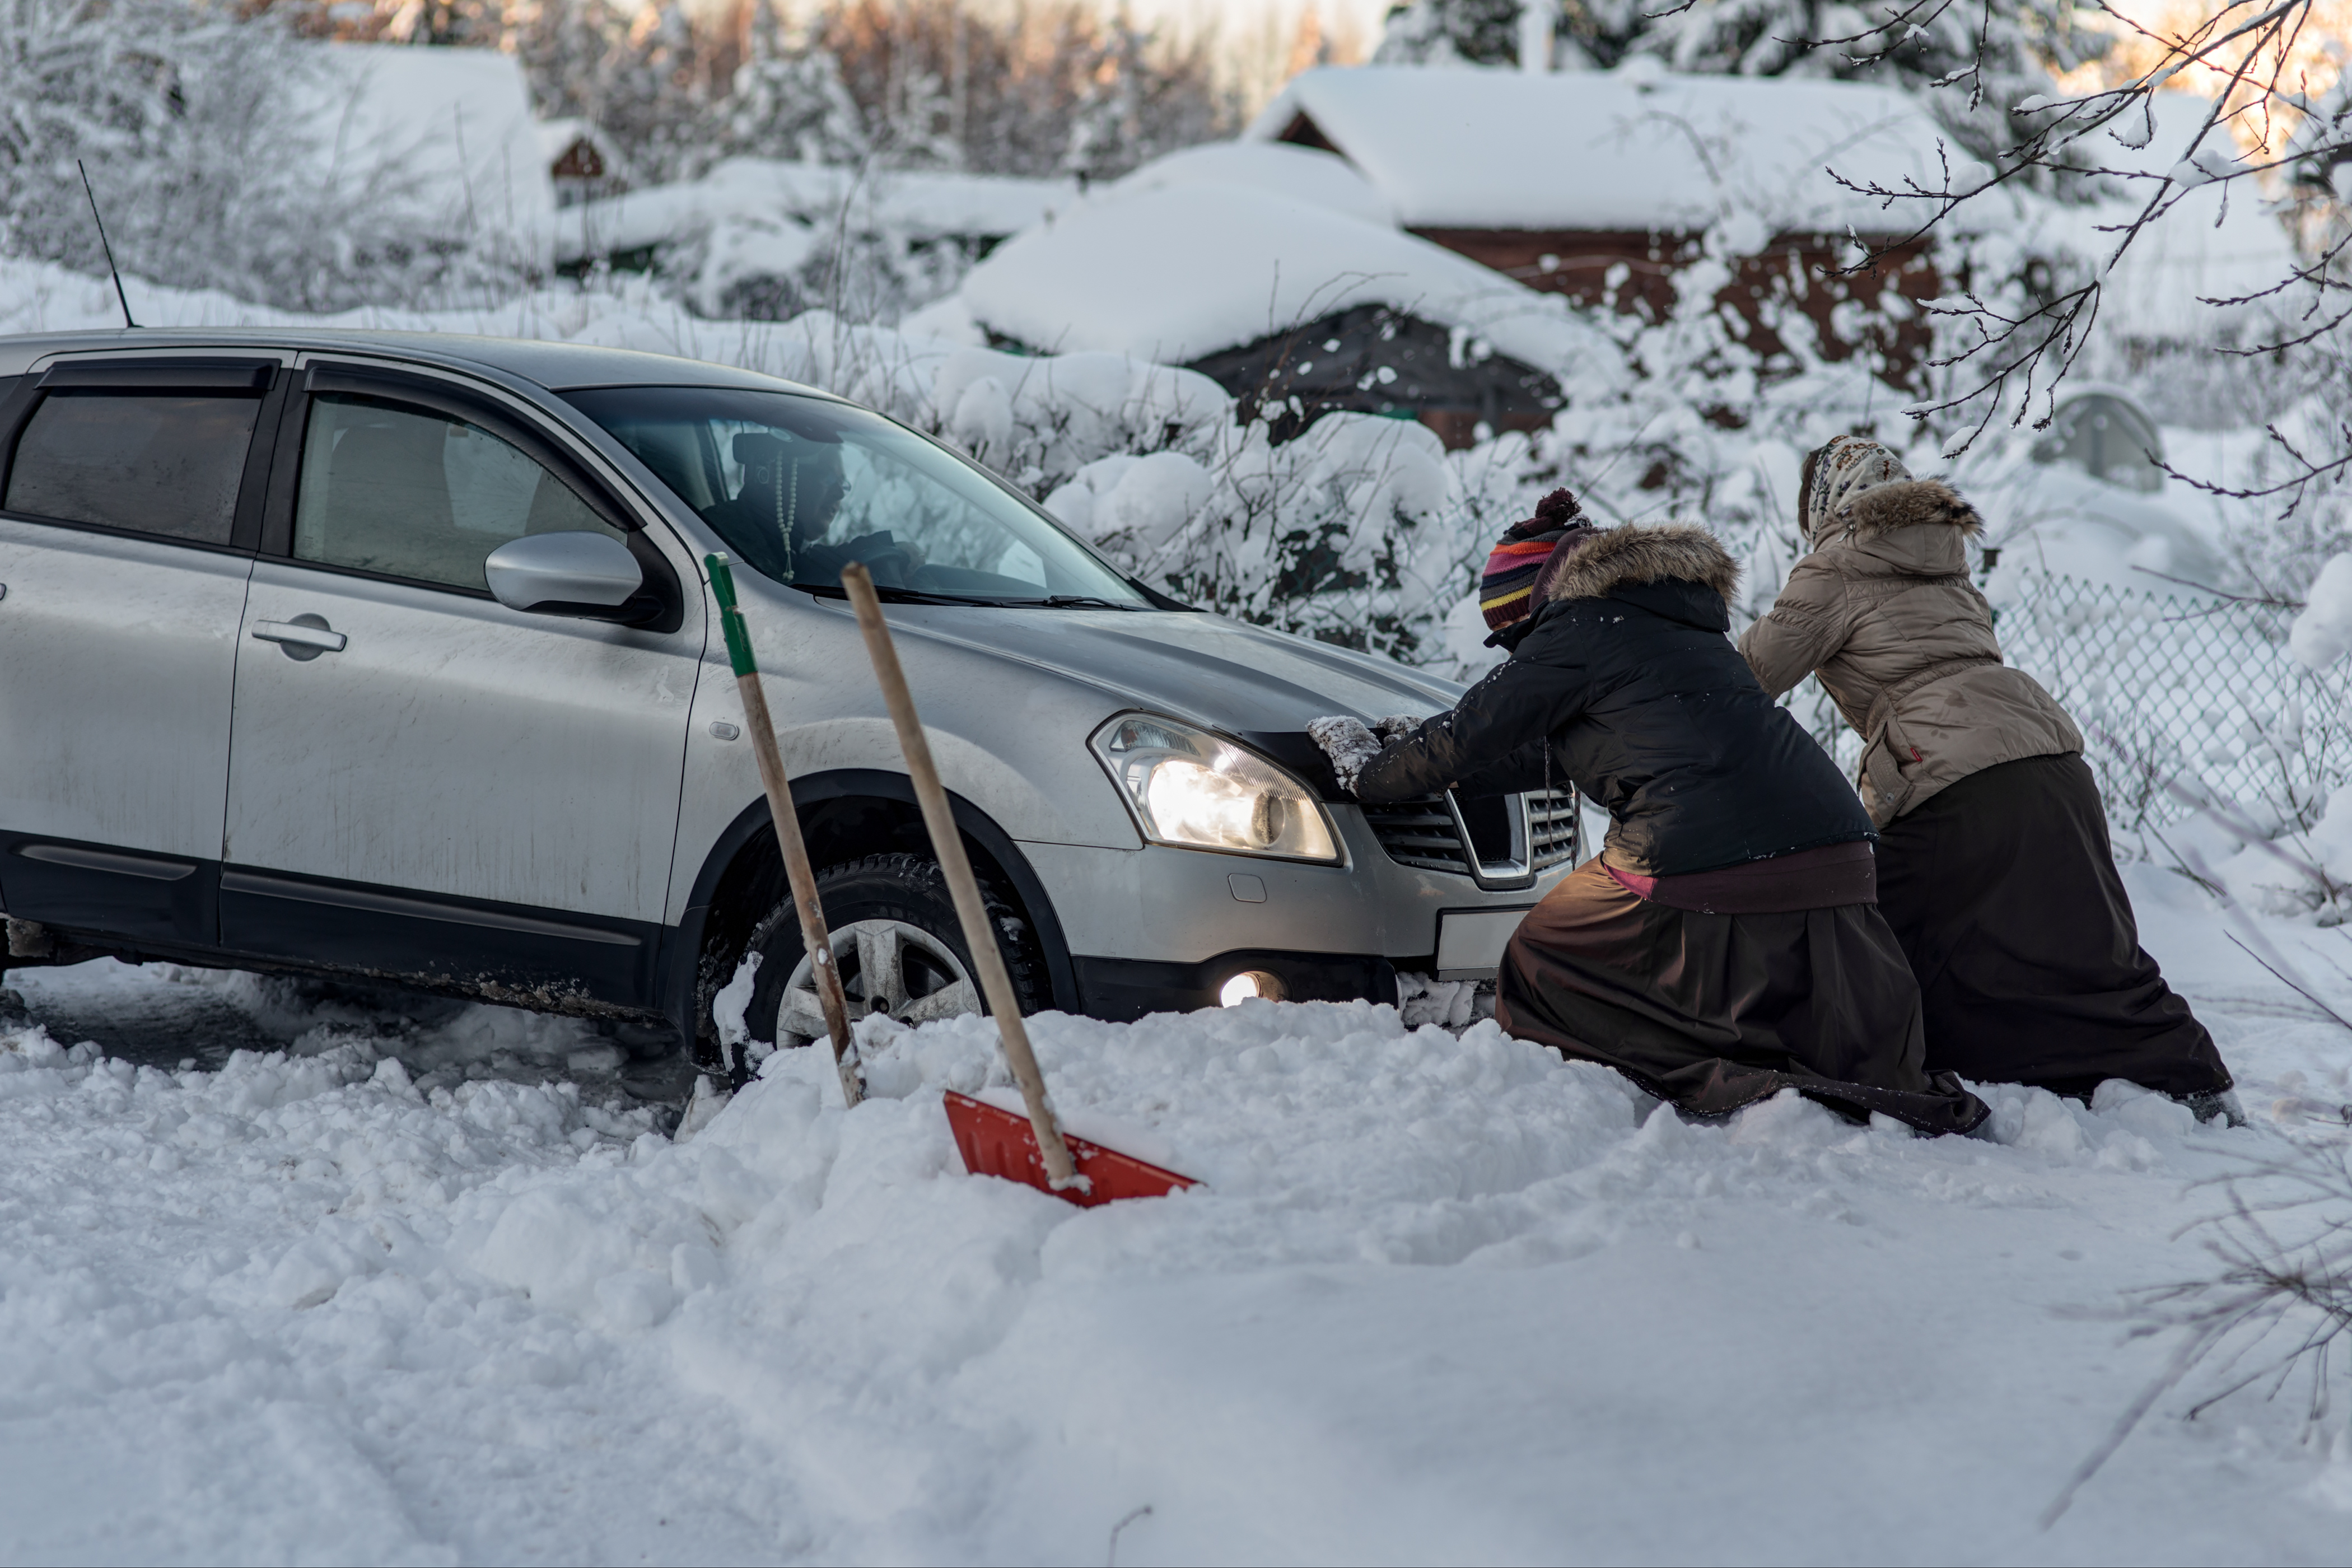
917	596
889	595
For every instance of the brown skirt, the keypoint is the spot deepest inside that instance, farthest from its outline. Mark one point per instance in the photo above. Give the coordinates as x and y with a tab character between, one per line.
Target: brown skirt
1716	1011
2002	890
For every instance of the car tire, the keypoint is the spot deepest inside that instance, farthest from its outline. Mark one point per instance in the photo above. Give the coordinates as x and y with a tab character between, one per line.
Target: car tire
893	914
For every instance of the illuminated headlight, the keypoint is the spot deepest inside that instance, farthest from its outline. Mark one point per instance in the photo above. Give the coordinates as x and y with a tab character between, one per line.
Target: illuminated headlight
1189	788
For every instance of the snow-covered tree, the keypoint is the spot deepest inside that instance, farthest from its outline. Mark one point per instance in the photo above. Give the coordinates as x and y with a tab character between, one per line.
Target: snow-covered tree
1038	91
1983	58
1451	32
789	101
184	114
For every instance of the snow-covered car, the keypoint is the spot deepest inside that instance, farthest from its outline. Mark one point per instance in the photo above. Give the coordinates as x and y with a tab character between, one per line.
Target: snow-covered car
394	656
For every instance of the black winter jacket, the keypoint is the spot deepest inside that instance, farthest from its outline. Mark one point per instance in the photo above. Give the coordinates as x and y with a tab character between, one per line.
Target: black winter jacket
1625	683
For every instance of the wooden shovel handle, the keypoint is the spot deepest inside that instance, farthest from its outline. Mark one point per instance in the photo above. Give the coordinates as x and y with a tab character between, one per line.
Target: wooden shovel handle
947	843
822	971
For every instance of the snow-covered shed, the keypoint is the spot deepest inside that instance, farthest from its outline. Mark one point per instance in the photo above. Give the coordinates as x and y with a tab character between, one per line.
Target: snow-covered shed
582	163
440	140
1297	308
1603	186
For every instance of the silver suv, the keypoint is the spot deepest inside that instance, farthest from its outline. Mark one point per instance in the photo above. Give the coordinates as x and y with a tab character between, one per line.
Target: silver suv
391	656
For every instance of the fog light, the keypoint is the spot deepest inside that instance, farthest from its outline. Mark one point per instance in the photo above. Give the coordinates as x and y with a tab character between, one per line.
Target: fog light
1250	984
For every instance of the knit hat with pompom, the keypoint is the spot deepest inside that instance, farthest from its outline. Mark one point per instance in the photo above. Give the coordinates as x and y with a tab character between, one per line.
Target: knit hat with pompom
1507	588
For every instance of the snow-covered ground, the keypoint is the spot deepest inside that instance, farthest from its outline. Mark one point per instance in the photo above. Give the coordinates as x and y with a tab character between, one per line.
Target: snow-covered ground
435	1290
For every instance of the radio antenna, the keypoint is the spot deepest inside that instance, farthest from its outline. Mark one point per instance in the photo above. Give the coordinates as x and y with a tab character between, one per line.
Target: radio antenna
112	271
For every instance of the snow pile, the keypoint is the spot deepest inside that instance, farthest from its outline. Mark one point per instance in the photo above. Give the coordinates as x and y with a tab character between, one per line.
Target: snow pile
774	238
1441	1297
925	206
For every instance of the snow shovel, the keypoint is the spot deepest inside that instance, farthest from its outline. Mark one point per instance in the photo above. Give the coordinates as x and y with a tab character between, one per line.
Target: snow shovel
993	1140
797	871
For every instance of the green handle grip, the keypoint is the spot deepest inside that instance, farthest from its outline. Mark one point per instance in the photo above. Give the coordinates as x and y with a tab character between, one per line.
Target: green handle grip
730	619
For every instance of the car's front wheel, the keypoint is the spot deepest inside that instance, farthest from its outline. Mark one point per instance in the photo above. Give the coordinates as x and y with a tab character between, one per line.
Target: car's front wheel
896	944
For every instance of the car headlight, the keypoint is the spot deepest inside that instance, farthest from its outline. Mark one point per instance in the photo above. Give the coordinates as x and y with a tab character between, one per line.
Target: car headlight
1189	788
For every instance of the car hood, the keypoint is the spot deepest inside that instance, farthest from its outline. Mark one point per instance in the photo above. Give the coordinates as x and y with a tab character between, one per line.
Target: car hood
1257	685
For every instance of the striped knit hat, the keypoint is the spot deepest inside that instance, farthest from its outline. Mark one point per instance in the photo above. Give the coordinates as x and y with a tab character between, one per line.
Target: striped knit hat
1507	590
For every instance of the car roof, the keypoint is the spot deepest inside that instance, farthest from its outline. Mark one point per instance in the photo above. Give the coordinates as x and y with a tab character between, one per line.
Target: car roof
557	366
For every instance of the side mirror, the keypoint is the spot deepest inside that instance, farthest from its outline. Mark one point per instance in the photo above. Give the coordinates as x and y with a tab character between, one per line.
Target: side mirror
576	573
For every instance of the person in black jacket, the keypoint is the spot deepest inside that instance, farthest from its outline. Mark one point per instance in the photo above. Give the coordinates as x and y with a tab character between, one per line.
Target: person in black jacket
1726	943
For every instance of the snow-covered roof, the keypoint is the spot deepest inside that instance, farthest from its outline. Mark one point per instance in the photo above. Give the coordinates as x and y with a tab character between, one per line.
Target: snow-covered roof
1302	173
1636	148
557	137
1178	272
442	137
922	206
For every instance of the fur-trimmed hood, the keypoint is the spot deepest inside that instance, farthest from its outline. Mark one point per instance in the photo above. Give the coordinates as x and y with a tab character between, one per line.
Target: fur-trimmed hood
1637	553
1908	503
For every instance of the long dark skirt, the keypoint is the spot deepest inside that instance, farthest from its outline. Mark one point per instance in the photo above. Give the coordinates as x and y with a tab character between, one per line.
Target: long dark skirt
1716	1011
2002	890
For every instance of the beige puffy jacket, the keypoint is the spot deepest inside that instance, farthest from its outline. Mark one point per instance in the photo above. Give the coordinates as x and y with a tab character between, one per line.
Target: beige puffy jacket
1884	611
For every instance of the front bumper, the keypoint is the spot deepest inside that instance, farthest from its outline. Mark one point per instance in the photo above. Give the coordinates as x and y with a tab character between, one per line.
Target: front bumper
1124	989
1183	921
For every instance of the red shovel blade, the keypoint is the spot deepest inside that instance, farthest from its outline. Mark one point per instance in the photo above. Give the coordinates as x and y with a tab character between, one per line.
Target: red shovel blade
999	1142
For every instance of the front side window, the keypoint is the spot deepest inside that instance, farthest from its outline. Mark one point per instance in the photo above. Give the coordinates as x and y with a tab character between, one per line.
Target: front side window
159	463
799	487
391	487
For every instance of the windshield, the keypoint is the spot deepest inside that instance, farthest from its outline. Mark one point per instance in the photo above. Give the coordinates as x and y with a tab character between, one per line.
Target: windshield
800	487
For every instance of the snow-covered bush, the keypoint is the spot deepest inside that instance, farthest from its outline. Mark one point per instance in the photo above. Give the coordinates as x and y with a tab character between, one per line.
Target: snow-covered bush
2322	633
1039	420
1360	531
212	145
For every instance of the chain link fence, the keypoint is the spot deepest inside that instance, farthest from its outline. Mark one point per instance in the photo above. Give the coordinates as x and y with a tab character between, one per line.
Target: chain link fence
2181	697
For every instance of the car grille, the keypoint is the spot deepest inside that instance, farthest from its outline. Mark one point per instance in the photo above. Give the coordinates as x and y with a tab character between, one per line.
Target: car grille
1420	833
1425	833
1551	827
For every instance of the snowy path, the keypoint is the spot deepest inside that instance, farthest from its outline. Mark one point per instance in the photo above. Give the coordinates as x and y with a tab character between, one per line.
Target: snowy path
1444	1299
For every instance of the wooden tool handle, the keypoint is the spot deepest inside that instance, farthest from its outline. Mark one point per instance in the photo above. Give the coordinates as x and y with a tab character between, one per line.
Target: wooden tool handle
822	971
947	843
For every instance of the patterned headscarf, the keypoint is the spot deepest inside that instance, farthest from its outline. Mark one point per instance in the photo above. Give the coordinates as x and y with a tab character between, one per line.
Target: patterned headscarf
1838	471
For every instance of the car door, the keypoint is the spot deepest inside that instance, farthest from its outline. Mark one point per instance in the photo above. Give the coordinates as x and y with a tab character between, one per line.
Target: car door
130	508
422	781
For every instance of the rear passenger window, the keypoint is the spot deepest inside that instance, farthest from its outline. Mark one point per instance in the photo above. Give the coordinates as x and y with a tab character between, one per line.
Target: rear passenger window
397	489
162	463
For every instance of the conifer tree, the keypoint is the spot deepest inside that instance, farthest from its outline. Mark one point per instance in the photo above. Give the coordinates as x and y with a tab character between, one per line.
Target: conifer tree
789	101
1451	32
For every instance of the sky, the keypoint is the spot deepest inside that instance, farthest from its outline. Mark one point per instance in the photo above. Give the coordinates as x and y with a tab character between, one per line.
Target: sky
1260	36
1247	15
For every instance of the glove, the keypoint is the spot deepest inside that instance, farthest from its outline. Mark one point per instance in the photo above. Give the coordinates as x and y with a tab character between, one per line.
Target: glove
1397	726
1347	743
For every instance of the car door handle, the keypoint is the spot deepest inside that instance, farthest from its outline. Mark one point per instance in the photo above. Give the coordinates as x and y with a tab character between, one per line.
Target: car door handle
305	636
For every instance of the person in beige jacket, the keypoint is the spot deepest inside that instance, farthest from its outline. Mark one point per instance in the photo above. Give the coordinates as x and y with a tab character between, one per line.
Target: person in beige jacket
1994	867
